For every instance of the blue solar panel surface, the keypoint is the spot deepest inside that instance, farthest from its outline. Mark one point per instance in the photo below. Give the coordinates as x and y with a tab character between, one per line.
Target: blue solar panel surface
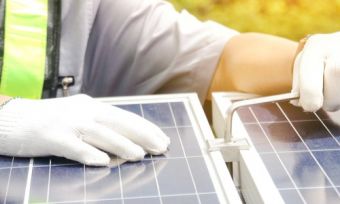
300	150
179	176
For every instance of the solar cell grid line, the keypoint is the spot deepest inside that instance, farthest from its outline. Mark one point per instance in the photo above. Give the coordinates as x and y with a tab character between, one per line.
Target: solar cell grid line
167	176
186	159
8	181
153	165
312	154
328	130
194	155
277	156
48	180
178	132
120	183
28	181
168	129
84	179
13	170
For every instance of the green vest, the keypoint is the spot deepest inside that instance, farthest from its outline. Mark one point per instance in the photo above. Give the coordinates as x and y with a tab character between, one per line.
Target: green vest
29	47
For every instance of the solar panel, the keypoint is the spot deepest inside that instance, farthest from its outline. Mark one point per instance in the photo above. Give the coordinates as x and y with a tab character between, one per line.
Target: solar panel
300	150
183	175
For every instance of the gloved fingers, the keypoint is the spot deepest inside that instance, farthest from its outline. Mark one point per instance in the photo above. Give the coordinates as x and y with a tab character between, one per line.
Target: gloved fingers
116	161
110	141
77	150
296	79
331	84
134	127
311	70
151	138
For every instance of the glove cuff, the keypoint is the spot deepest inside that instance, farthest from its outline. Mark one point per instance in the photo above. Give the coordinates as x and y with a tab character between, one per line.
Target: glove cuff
7	118
301	45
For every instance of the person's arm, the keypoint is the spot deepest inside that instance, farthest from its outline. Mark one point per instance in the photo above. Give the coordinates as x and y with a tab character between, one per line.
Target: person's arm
255	63
264	64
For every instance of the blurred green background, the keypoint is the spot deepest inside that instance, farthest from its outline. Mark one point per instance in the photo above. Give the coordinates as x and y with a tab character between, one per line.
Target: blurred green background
288	18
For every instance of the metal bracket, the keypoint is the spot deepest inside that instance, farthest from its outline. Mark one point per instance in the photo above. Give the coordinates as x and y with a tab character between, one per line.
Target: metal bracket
229	142
220	144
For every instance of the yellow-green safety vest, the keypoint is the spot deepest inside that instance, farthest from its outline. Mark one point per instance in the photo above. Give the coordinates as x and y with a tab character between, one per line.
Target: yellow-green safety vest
29	47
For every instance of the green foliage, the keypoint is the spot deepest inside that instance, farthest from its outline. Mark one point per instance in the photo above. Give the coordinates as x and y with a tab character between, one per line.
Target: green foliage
289	18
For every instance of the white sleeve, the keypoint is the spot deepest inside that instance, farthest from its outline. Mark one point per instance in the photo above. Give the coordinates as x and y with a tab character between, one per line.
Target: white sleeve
164	50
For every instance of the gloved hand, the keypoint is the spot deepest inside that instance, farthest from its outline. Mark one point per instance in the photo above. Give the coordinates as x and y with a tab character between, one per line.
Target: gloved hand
78	128
316	74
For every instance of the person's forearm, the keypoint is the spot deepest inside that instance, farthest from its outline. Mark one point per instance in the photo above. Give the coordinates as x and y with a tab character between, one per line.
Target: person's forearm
255	63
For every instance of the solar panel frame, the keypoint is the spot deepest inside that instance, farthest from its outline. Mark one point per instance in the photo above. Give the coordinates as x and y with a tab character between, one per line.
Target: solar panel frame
249	172
226	192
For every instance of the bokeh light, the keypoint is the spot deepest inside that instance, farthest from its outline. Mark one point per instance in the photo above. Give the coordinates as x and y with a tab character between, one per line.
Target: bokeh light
288	18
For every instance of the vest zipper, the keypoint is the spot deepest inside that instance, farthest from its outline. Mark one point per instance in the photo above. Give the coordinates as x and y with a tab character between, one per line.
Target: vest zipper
65	82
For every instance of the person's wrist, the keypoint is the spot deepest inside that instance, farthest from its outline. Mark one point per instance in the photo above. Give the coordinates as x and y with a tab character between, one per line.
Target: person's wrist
4	100
302	43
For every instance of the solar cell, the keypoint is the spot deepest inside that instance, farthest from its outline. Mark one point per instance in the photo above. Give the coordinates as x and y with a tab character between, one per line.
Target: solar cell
179	176
300	150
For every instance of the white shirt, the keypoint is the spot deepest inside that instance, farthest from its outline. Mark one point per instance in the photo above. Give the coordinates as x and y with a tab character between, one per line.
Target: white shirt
130	47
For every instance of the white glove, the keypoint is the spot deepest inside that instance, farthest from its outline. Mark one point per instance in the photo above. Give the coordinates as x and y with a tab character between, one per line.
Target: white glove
317	73
78	128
